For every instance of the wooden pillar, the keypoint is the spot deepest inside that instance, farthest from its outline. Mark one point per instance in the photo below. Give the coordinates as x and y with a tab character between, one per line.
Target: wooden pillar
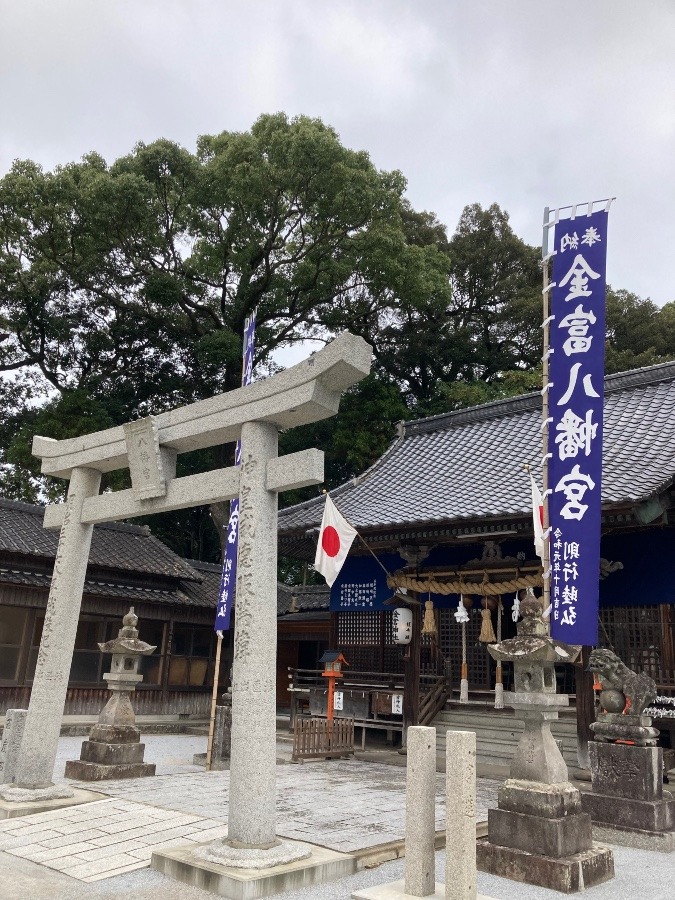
585	707
411	692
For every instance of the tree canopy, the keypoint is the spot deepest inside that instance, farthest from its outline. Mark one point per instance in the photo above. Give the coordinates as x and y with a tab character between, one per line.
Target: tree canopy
125	287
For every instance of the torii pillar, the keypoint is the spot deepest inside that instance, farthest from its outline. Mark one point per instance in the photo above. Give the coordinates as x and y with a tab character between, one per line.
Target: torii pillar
305	393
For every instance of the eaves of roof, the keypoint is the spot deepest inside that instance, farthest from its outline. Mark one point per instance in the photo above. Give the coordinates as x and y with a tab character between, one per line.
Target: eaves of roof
467	465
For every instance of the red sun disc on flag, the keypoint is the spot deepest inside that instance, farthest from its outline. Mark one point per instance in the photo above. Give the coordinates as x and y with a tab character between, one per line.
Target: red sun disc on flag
330	541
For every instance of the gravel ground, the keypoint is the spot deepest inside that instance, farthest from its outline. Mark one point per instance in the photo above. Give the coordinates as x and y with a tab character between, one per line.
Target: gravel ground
640	874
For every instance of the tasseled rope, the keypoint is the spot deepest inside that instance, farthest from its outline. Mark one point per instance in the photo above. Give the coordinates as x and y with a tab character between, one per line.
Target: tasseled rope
487	632
462	617
499	687
429	623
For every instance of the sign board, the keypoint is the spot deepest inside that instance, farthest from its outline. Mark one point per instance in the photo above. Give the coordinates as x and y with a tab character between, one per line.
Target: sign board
397	704
575	404
338	701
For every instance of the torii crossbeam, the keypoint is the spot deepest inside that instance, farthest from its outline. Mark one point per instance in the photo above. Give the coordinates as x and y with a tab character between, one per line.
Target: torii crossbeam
305	393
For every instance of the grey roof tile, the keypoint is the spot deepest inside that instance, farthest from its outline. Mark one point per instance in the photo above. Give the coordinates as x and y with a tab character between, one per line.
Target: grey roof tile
114	546
469	464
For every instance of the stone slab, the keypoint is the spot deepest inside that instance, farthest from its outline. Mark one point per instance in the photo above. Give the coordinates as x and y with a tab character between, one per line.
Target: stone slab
661	841
250	884
395	891
556	838
13	810
552	801
111	754
80	770
624	771
115	734
568	875
651	815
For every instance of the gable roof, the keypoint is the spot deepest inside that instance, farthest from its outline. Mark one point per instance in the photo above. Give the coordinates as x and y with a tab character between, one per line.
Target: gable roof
129	548
468	464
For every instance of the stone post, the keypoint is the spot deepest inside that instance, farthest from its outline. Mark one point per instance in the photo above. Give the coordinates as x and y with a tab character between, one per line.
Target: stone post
420	806
252	806
15	719
460	806
50	684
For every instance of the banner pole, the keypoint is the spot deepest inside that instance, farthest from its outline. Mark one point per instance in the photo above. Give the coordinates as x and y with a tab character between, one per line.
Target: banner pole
546	562
214	698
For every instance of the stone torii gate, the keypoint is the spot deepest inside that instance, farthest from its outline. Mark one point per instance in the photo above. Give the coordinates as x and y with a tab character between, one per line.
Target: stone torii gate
305	393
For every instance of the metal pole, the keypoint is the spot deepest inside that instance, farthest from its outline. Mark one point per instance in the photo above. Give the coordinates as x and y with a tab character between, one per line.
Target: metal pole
544	407
214	698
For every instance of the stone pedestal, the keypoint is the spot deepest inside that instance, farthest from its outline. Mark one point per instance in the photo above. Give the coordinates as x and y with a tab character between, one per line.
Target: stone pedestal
112	751
628	804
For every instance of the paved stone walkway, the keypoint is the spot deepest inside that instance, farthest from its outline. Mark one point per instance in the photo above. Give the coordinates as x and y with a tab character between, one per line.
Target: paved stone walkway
345	805
104	838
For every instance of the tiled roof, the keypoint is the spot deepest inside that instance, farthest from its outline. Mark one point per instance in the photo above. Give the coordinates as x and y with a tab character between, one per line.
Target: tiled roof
204	592
130	548
468	464
94	588
308	598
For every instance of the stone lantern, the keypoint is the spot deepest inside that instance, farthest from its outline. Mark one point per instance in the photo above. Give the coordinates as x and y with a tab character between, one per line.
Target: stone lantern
539	833
114	749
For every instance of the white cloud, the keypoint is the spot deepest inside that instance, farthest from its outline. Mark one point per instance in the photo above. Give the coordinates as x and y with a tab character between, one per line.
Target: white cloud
522	103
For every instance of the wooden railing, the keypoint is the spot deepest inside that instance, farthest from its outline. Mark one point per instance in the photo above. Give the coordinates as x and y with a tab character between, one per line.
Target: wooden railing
316	737
433	694
369	697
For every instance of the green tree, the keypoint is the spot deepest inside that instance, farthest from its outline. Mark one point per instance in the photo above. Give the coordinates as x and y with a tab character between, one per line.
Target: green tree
125	287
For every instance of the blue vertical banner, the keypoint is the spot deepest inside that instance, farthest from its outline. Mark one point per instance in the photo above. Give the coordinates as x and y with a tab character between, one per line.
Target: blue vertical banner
228	579
576	377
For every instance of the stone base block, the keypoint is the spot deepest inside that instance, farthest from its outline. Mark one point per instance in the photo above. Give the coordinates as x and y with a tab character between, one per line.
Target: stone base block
12	810
217	765
661	841
552	801
112	754
115	734
648	815
556	838
622	770
81	770
567	875
249	884
396	891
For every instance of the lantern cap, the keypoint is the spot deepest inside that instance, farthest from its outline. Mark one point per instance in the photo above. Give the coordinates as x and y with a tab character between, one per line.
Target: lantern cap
333	656
127	639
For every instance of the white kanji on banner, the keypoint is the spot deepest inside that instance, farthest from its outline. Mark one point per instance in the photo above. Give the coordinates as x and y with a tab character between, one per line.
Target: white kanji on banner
335	539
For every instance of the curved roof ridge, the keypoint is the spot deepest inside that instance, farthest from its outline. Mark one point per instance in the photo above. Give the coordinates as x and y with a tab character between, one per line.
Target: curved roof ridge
494	409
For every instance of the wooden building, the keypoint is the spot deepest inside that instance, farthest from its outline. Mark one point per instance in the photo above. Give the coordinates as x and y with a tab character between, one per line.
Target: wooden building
175	601
449	504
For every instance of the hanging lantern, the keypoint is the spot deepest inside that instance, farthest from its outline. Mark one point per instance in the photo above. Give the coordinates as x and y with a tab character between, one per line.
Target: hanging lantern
403	619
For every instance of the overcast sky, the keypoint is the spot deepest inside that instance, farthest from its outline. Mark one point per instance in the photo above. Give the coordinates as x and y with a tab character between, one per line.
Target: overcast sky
526	103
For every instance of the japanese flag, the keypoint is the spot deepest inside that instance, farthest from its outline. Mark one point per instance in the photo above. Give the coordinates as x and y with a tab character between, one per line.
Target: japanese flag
335	539
538	519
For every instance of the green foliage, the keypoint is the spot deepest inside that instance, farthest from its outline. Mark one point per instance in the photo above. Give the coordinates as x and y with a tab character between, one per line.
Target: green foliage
125	288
